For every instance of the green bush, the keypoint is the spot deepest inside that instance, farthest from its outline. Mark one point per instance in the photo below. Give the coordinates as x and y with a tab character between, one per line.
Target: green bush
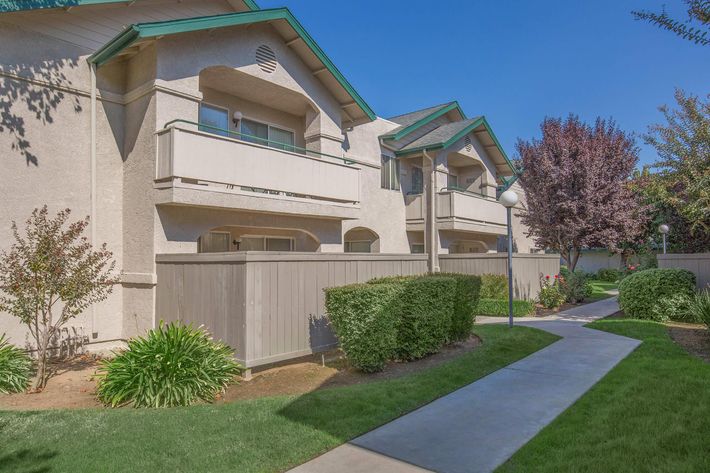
550	295
640	292
609	274
468	289
700	307
564	271
499	307
575	287
15	368
494	286
423	311
173	365
674	307
363	319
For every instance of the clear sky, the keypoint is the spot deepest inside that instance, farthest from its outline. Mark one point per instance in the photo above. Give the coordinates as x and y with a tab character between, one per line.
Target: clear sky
513	61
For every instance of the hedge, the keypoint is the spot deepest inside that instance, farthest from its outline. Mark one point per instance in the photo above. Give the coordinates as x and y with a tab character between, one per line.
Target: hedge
640	292
499	308
401	317
363	319
494	286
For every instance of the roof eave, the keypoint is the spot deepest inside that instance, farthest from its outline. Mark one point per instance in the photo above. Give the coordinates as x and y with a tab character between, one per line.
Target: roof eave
10	6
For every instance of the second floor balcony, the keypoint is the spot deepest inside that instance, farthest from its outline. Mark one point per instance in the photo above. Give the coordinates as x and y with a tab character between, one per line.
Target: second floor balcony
458	210
199	168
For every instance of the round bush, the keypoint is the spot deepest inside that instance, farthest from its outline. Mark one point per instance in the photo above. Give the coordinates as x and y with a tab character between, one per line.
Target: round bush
608	274
640	292
15	368
173	365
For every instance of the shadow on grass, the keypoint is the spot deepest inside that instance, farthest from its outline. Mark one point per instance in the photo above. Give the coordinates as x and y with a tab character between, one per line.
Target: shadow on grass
27	461
347	412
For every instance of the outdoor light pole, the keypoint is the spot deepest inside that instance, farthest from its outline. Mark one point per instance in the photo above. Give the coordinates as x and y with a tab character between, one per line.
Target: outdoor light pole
664	229
508	199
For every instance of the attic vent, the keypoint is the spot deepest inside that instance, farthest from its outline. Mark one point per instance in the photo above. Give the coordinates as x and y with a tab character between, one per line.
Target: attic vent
266	58
467	142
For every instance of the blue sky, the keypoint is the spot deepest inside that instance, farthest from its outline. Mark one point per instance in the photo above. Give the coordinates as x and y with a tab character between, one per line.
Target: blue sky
513	61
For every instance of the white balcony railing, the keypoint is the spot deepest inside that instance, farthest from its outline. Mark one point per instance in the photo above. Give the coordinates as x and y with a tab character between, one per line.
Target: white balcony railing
230	163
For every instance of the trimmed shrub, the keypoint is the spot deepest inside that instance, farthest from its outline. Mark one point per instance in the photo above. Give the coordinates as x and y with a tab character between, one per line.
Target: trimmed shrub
424	310
499	308
15	368
550	295
609	274
575	287
494	286
363	319
468	289
173	365
700	307
640	292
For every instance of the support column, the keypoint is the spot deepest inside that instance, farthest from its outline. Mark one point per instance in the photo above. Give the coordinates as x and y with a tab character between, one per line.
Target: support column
431	234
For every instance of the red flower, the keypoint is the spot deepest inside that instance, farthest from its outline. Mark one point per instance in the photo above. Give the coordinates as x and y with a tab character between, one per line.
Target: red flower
547	277
557	276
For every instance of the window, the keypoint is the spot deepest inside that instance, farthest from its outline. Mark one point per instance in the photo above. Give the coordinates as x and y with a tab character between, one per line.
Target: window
264	243
267	135
214	242
390	173
417	180
452	181
214	119
417	248
363	246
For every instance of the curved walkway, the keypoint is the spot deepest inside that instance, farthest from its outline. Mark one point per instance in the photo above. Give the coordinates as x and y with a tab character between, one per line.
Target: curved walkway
478	427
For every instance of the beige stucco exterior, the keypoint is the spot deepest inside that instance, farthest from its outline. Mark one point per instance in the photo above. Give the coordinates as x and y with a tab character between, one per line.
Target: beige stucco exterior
153	187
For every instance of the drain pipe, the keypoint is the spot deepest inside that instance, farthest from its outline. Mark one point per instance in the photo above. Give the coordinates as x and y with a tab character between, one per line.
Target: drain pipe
92	215
430	233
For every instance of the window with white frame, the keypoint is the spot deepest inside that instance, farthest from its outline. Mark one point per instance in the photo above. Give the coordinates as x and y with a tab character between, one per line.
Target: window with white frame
213	119
389	173
214	242
266	243
267	135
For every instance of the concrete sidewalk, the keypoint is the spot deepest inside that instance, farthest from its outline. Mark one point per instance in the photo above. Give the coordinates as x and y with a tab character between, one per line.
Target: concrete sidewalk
478	427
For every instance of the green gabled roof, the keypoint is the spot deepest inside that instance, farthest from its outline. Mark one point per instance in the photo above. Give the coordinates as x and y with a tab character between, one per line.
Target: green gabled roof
141	31
448	134
7	6
410	122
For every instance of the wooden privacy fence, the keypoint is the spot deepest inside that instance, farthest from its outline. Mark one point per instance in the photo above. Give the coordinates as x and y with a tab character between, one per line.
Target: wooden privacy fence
527	268
698	263
270	306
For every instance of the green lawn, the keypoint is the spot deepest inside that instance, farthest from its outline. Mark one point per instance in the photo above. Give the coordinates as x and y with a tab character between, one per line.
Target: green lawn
651	413
600	288
269	434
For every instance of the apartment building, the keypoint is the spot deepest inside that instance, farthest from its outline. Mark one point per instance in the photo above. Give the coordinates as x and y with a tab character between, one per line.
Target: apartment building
184	126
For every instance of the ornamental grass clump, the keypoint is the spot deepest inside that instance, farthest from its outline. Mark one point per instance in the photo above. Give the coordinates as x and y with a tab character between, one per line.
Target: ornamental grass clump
173	365
700	307
15	368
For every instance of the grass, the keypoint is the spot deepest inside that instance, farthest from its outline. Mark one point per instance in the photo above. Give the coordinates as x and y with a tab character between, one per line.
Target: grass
264	435
651	413
600	288
499	308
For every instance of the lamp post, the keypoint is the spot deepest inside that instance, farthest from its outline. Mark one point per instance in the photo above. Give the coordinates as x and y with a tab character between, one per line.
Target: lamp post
508	199
664	229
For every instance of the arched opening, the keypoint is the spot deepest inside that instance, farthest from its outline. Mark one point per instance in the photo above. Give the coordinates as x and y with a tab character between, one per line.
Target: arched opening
238	238
361	240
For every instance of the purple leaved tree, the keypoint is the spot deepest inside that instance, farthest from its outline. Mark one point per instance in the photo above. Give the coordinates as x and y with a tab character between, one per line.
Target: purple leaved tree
576	180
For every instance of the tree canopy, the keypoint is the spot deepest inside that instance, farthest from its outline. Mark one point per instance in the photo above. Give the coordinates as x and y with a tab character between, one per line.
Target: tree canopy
695	28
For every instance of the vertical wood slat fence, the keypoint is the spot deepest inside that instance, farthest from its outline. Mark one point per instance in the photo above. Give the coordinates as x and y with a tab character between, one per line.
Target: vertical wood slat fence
270	306
698	263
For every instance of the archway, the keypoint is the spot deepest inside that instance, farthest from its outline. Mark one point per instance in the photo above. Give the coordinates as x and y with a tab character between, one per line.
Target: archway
361	240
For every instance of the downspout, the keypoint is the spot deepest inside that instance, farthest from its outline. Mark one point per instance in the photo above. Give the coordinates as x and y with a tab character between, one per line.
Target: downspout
92	216
430	222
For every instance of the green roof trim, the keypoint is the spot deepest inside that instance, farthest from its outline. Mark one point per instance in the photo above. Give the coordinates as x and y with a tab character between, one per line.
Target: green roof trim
7	6
428	119
161	28
445	144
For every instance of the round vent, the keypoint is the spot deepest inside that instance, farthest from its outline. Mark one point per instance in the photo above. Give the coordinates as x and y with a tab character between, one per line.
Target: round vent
467	142
266	58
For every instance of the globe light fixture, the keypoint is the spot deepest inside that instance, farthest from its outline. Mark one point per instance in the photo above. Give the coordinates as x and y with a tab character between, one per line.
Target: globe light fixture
663	230
509	199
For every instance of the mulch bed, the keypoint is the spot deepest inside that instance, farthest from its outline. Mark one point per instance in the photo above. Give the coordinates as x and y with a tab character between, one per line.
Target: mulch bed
73	386
694	338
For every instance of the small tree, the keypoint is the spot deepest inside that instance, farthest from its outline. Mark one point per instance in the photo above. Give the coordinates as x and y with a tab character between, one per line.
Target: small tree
49	276
576	182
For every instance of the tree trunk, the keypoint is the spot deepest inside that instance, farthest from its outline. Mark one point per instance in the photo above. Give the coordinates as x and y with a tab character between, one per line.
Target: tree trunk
40	380
574	259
